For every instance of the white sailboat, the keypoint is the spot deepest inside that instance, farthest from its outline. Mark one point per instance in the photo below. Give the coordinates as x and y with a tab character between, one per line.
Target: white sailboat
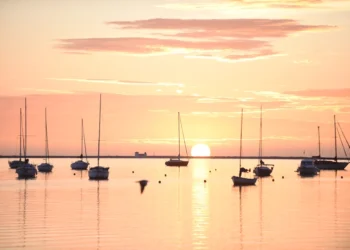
81	164
20	162
262	169
178	162
27	170
99	172
239	180
46	166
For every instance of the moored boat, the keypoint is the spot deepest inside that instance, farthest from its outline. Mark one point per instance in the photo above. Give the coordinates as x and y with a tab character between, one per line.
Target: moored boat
307	168
18	163
26	170
81	164
178	162
239	180
46	166
262	169
99	172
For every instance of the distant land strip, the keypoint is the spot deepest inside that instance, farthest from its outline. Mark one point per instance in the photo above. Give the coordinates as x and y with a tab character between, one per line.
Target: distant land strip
169	156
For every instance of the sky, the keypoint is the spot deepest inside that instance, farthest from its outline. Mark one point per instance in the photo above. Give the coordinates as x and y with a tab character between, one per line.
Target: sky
206	59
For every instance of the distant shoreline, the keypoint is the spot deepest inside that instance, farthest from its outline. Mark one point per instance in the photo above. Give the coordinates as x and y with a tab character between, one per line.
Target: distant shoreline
169	156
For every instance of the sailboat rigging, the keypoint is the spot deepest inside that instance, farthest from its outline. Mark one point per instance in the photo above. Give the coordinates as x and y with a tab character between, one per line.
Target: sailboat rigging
18	163
46	166
26	170
324	164
178	162
262	168
81	164
239	180
99	172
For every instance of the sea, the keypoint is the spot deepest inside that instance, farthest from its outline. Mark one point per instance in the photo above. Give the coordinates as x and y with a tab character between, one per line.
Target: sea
181	208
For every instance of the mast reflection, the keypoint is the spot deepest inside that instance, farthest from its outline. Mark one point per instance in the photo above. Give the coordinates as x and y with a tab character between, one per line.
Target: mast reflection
98	214
24	215
240	218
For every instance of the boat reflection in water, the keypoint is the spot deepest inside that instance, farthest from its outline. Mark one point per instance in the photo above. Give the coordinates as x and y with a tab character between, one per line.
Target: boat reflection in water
98	215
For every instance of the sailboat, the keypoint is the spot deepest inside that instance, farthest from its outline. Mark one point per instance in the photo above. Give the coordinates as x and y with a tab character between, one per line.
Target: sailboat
46	166
239	180
80	164
18	163
178	162
27	170
262	169
324	164
99	172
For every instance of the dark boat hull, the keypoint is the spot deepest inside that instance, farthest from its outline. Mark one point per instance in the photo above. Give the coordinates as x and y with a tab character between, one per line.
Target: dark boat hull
262	171
176	163
241	181
330	165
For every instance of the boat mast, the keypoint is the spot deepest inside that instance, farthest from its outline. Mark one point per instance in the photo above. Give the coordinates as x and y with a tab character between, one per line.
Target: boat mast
260	148
20	134
319	142
82	138
82	123
335	140
99	136
46	141
25	129
240	144
178	131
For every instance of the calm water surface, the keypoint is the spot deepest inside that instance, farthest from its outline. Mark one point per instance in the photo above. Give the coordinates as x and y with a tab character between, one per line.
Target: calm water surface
66	211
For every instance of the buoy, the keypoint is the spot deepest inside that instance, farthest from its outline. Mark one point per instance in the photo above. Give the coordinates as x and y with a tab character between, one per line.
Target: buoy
215	169
205	181
341	177
282	177
159	182
209	171
165	175
132	171
273	179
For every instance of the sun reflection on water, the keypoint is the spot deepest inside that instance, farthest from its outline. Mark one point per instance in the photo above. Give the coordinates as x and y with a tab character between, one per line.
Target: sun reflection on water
200	206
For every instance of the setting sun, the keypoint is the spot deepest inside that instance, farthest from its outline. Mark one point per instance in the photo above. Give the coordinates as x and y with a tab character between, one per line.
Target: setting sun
200	150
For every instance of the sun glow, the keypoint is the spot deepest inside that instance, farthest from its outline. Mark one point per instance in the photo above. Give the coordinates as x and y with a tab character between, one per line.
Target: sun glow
200	150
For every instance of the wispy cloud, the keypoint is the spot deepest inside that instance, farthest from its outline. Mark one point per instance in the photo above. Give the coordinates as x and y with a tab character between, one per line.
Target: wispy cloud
259	55
305	61
343	93
120	82
228	4
56	91
225	40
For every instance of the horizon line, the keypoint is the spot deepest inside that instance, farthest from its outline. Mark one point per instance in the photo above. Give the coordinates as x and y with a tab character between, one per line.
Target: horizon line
172	156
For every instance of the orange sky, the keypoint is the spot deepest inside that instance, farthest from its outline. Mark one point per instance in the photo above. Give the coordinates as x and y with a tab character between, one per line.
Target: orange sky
150	59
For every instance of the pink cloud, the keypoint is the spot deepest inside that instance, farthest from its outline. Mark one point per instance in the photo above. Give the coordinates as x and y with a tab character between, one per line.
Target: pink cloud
216	28
138	45
221	39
